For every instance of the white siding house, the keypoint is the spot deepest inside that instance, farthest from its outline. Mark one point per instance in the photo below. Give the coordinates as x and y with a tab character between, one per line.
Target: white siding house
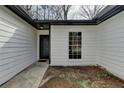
101	44
60	44
18	45
111	44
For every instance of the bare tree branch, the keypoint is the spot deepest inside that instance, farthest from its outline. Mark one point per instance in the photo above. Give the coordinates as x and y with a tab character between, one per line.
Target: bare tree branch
90	11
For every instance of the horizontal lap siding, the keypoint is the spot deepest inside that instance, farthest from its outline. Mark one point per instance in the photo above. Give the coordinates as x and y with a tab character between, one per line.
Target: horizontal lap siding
59	45
111	44
17	45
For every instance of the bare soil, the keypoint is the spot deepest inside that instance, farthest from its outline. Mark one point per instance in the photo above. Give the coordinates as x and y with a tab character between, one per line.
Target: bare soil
80	77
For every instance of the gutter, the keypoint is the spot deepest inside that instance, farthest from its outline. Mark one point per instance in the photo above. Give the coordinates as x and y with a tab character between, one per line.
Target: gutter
107	13
18	10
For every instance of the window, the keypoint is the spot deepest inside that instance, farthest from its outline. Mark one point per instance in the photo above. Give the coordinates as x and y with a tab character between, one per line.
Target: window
75	45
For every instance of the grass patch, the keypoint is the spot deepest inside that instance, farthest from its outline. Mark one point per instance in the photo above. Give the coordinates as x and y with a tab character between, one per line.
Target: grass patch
68	75
85	83
102	74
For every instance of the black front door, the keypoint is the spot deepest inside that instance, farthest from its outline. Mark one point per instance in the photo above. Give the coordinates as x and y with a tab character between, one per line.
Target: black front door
44	46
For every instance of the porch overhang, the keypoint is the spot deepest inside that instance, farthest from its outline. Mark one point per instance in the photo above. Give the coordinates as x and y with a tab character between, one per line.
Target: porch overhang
105	14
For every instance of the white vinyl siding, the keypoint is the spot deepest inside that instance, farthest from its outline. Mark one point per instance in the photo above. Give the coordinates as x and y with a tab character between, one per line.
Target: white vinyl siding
111	44
17	44
102	44
59	45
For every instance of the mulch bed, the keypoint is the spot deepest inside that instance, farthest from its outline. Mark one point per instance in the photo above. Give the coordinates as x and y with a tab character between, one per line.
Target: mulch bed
80	77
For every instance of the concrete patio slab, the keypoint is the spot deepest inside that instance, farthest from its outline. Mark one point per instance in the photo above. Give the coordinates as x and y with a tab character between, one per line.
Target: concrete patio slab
29	78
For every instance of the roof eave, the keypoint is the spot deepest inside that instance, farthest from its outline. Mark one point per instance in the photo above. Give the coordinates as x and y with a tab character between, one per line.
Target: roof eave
37	23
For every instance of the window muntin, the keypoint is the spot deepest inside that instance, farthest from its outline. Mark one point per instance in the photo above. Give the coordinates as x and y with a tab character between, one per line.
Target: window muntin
75	45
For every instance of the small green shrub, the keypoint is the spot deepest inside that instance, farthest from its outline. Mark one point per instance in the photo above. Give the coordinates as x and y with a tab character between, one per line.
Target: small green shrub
85	83
101	74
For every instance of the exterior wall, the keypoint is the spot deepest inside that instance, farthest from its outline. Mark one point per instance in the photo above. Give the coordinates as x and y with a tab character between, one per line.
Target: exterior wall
59	45
40	32
111	44
17	44
102	45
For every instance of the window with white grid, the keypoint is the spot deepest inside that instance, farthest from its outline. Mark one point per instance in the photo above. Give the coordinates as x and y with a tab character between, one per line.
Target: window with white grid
75	45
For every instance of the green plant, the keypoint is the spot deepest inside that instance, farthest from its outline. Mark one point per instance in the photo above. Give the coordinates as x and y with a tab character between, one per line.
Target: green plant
69	75
101	74
85	83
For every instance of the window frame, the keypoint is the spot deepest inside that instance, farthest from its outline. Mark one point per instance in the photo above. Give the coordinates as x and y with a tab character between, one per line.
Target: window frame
75	42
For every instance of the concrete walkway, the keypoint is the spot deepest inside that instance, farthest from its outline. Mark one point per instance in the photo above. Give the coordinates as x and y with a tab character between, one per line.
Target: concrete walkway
29	78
